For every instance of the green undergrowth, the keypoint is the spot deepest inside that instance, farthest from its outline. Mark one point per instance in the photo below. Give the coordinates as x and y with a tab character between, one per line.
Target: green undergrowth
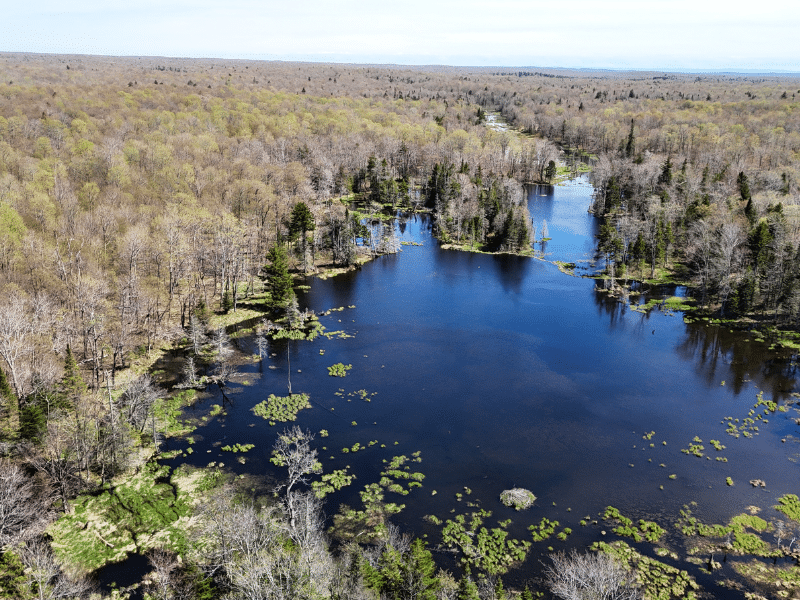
148	509
238	448
667	305
169	410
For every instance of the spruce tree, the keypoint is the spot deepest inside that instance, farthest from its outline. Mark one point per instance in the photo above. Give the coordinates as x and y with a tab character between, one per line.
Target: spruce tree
301	223
630	145
467	590
72	386
279	282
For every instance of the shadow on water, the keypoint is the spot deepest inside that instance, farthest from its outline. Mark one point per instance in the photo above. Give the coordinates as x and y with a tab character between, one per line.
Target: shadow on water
123	574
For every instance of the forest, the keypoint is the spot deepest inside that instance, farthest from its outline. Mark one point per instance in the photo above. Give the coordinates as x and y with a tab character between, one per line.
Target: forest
147	204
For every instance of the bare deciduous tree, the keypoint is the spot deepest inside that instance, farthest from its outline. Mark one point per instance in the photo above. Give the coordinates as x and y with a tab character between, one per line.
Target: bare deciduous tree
45	578
22	505
137	401
293	450
594	576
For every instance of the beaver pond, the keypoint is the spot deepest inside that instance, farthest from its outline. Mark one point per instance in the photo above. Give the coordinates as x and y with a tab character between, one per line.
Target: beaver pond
503	372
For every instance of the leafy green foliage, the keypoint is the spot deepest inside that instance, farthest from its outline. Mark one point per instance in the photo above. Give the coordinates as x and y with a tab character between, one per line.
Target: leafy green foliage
543	530
281	408
645	530
339	370
790	506
490	550
238	448
332	482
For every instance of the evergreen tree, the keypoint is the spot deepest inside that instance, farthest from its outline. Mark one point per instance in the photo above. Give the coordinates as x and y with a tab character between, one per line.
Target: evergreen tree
743	185
9	409
467	590
630	145
665	178
71	386
526	594
499	592
279	282
550	171
301	223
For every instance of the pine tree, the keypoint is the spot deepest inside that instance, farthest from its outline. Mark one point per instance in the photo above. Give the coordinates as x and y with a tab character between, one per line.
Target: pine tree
499	592
467	590
71	386
279	282
526	594
630	145
301	223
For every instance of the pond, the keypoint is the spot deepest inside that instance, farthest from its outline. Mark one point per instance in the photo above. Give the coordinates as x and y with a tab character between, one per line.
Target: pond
503	372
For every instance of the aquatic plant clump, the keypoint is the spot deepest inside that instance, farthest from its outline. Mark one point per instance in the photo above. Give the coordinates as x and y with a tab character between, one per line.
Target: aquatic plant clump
281	408
339	370
519	498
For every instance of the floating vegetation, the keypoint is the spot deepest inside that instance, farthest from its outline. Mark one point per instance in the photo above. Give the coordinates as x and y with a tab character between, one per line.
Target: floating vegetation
519	498
543	530
281	408
323	433
648	436
696	448
339	370
433	519
368	524
339	335
332	482
238	448
645	530
790	506
488	550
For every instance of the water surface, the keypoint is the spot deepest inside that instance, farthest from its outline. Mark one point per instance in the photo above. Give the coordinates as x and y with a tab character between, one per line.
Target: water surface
505	372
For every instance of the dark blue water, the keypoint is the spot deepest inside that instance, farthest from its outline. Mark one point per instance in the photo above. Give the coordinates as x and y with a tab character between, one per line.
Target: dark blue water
505	372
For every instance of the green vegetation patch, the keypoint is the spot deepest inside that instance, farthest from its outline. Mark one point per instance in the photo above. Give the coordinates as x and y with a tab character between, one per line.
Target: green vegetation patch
790	506
331	482
543	530
168	411
339	370
238	448
281	408
490	550
644	530
143	512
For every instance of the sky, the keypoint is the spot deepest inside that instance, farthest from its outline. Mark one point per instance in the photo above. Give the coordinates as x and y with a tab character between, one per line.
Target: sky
674	35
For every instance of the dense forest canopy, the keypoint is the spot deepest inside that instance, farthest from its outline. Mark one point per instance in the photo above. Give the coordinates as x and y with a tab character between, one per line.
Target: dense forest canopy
139	195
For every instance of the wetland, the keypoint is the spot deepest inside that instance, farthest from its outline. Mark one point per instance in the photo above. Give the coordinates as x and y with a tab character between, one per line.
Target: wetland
500	371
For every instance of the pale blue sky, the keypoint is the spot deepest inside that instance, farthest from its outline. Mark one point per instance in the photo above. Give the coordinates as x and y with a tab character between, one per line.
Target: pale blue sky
654	34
